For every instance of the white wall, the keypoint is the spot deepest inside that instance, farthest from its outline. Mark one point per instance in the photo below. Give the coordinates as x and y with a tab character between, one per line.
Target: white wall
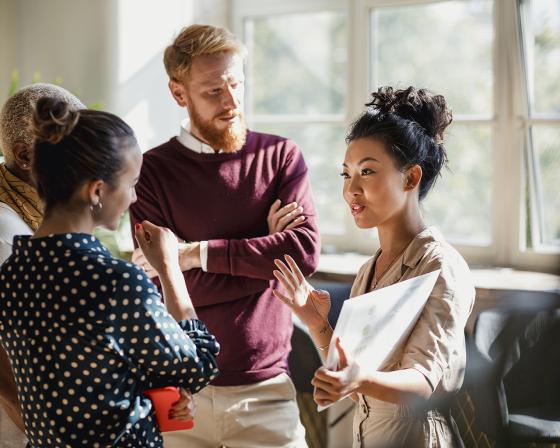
63	39
7	45
105	51
214	12
139	90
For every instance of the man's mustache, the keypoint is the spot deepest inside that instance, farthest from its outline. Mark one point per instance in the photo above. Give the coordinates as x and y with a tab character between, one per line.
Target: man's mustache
230	115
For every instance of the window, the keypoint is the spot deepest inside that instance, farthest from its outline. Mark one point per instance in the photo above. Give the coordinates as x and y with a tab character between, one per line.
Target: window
297	89
447	47
540	20
313	64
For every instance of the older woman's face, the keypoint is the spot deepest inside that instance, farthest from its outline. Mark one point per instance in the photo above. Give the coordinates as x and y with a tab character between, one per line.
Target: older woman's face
374	187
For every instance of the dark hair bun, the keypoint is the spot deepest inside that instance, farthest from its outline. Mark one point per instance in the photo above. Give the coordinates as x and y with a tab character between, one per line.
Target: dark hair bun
53	120
421	106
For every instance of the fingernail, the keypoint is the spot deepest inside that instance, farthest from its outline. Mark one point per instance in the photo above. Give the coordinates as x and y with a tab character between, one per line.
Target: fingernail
137	226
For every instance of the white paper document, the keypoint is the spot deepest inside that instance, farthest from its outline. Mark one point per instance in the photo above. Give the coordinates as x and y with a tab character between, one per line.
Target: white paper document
373	325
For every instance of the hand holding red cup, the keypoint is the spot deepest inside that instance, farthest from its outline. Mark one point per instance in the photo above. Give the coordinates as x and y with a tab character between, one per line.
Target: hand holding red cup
174	408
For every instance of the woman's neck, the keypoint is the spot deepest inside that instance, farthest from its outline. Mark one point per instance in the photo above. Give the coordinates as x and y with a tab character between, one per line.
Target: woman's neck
397	233
63	220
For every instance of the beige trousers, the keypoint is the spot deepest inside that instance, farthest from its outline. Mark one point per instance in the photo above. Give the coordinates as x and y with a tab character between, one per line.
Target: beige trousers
378	424
259	415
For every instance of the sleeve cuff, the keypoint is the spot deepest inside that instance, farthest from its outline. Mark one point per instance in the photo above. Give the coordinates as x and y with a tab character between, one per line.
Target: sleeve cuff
218	257
433	376
193	325
204	255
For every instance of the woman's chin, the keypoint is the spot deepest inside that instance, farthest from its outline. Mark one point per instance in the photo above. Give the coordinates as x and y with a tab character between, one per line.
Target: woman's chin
362	223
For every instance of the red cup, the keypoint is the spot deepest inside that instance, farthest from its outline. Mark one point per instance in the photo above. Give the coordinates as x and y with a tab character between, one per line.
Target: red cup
162	399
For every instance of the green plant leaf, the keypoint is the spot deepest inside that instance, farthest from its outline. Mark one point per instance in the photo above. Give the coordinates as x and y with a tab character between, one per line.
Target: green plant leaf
95	106
14	83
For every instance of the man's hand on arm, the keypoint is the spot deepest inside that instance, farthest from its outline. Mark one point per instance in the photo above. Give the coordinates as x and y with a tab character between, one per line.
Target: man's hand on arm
139	259
284	218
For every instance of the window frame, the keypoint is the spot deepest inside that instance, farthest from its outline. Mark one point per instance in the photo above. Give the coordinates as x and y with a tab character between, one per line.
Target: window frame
251	9
512	154
530	119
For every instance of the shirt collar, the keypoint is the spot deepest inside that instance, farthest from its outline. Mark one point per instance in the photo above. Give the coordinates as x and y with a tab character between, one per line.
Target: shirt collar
189	141
411	256
417	247
75	241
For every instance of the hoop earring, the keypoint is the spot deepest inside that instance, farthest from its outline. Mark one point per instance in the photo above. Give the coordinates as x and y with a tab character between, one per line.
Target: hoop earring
96	208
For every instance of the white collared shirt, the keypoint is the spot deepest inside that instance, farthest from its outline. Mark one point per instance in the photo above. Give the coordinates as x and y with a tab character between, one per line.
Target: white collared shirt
192	143
188	140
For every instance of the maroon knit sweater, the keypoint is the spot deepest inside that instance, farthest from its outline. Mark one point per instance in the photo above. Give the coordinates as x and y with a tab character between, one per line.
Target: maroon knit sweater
224	199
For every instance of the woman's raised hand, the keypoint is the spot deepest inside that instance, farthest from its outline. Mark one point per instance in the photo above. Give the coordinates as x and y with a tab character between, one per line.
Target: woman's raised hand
161	249
159	246
310	305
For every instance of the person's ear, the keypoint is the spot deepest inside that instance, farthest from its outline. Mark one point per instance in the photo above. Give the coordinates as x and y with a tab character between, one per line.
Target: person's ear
413	176
179	92
94	193
22	156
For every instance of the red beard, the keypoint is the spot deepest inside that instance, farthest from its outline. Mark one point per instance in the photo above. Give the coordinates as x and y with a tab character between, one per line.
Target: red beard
230	139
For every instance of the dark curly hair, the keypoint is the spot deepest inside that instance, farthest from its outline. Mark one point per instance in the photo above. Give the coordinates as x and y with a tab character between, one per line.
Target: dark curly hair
410	123
75	146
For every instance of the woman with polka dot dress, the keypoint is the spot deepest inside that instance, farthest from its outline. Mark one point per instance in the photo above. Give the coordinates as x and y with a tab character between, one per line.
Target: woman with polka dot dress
87	333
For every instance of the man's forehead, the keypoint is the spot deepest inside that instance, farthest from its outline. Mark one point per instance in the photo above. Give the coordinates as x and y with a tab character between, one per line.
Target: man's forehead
208	69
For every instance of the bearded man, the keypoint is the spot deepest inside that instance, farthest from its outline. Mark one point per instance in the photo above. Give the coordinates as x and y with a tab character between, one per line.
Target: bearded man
240	199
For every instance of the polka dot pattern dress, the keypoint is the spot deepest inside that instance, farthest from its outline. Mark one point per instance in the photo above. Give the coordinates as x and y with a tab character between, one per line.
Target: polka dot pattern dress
86	334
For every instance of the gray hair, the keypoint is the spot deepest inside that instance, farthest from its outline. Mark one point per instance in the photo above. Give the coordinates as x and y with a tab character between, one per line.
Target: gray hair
17	113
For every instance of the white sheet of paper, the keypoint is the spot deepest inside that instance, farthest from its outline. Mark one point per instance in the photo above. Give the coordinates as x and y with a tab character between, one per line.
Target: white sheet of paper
373	325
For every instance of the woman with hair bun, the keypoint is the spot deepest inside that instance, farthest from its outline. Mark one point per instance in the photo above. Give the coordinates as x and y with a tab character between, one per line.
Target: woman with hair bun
87	333
395	153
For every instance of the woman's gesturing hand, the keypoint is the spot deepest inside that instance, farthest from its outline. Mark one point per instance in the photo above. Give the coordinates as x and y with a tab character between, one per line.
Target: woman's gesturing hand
332	385
310	305
159	246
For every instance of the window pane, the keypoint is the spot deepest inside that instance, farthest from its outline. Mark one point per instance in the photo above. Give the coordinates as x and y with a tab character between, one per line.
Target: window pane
294	75
460	201
546	144
541	32
445	47
323	147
